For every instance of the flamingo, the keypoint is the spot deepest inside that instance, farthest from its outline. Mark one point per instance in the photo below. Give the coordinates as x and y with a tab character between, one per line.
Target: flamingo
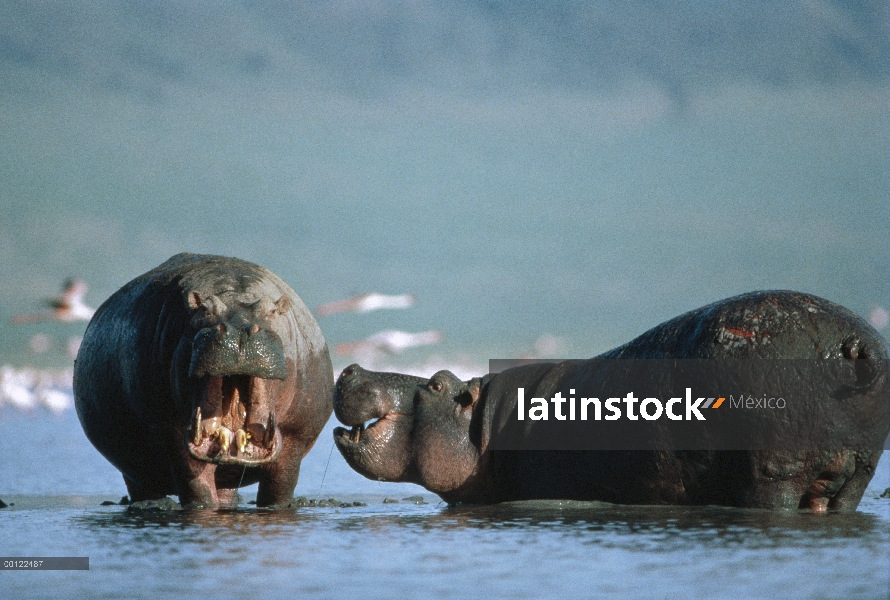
68	307
366	303
391	341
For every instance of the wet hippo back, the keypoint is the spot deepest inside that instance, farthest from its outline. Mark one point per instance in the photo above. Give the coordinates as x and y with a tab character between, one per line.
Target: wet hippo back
773	324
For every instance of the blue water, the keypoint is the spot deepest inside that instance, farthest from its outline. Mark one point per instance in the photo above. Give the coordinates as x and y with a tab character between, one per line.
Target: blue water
57	481
393	550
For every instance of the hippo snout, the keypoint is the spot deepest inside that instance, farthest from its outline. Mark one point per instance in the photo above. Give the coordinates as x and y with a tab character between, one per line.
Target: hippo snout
361	395
378	408
237	348
353	396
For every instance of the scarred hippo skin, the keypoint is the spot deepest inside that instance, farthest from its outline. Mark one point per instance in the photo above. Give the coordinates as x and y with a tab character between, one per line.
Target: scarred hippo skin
201	376
438	432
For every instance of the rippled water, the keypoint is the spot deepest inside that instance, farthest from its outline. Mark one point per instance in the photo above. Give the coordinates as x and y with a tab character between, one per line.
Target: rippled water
522	550
56	483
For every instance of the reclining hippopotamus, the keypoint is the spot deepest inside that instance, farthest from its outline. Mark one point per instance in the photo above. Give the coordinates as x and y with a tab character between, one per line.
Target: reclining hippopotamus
201	376
448	435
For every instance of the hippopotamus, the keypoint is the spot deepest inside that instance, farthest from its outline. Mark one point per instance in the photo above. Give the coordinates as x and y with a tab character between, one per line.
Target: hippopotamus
447	435
203	375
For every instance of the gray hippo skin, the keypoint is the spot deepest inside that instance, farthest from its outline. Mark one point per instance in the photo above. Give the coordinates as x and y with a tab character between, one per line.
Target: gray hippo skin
201	376
438	432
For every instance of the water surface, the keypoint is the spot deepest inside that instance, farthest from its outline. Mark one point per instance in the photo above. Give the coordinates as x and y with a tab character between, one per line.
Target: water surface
524	550
56	482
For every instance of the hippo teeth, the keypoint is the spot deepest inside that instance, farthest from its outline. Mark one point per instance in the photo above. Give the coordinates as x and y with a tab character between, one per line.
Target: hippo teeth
209	427
355	434
241	438
224	435
197	434
226	438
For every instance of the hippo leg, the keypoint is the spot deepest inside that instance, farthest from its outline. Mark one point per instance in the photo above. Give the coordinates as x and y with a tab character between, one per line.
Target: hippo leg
277	484
277	489
850	493
227	497
777	494
139	492
776	479
195	482
820	494
196	493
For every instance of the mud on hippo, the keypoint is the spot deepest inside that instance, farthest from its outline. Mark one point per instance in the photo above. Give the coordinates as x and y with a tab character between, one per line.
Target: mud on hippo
201	376
443	433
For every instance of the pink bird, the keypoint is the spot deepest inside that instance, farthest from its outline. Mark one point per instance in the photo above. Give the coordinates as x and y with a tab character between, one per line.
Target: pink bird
879	317
68	307
366	303
392	342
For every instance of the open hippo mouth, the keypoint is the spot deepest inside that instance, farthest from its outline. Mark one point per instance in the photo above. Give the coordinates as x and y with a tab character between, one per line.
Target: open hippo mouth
378	412
233	423
376	430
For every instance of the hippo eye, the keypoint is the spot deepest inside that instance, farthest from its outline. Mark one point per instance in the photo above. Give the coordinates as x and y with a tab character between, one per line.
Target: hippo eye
436	385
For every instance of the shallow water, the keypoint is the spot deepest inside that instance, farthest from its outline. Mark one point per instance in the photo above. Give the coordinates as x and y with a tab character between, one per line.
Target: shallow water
385	550
524	550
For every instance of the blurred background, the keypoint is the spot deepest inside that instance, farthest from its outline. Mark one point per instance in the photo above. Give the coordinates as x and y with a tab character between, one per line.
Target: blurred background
548	178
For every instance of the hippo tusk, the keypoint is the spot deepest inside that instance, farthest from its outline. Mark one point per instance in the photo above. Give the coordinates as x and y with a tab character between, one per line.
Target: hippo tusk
269	438
197	434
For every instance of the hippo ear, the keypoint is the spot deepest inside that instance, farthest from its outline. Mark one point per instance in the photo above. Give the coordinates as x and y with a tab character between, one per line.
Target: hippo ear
212	304
194	299
470	394
282	306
